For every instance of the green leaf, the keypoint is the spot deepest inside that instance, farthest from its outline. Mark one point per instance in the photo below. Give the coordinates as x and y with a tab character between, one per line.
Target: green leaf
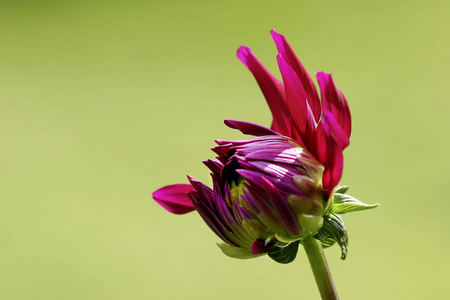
284	253
333	230
344	203
327	242
342	189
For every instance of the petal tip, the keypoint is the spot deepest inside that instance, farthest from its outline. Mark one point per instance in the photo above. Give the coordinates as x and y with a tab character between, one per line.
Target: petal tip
174	198
276	35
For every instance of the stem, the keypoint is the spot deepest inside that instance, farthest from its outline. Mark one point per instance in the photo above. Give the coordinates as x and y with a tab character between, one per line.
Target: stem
320	269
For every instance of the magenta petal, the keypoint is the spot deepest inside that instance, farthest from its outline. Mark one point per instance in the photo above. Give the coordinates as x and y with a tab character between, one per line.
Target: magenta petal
321	143
334	101
250	128
271	87
334	131
295	95
210	218
333	172
174	198
282	208
310	130
286	52
330	142
300	111
215	168
204	191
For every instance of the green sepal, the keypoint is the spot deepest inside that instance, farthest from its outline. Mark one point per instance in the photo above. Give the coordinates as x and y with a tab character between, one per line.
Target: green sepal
237	252
333	230
326	242
342	189
344	203
284	253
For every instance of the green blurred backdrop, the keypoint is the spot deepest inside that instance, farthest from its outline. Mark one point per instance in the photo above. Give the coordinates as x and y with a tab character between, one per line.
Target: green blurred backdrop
102	102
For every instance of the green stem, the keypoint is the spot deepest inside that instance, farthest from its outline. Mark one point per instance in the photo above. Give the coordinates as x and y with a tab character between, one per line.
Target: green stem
320	269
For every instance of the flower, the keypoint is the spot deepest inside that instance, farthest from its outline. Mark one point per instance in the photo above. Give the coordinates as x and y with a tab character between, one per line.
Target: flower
275	188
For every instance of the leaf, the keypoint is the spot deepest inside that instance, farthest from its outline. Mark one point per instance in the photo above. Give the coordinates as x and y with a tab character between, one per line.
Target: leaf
285	253
333	230
342	189
328	242
344	203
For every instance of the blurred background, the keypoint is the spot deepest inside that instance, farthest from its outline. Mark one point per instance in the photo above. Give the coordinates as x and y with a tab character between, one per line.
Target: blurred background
102	102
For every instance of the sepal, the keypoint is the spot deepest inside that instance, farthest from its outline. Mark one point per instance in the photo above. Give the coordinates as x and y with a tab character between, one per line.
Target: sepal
344	203
237	252
333	230
342	189
284	253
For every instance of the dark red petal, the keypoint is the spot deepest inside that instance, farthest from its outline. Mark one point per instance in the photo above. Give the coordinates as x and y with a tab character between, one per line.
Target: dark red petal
334	101
174	198
259	247
271	87
286	52
250	128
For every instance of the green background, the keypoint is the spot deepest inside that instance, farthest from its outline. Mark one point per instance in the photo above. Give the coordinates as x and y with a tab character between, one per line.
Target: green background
102	102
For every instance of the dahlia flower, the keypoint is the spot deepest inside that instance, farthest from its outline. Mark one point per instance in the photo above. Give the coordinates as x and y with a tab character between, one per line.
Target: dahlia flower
277	189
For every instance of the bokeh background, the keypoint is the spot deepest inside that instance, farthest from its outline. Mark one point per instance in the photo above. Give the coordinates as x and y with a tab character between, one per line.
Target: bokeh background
102	102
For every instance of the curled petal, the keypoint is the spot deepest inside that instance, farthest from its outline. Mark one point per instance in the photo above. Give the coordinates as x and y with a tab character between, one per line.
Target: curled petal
250	128
298	105
334	131
295	95
330	142
271	87
174	198
286	52
334	101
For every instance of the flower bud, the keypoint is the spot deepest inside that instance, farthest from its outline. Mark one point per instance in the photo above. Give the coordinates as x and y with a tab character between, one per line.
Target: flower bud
267	190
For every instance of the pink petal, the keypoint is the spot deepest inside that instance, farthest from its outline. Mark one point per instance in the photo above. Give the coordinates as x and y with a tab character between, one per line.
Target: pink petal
333	171
174	198
250	128
203	190
330	142
271	87
295	95
334	101
334	130
310	131
281	207
286	52
321	143
299	109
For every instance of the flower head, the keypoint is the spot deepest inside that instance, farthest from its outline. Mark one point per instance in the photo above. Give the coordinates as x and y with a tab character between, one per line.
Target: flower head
275	188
